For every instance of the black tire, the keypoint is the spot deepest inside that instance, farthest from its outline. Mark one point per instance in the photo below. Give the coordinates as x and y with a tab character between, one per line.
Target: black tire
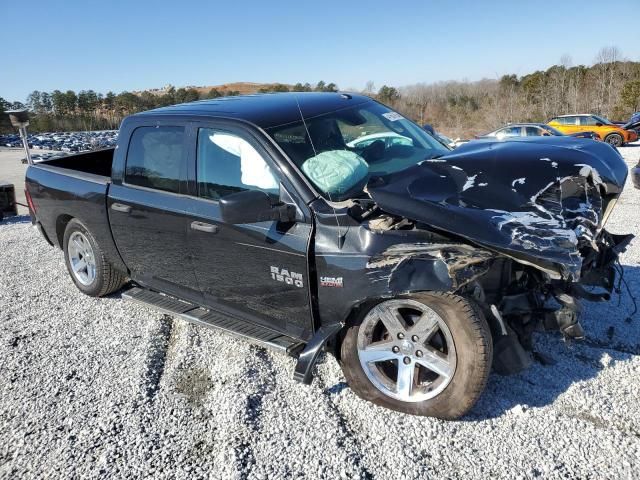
473	346
614	139
106	279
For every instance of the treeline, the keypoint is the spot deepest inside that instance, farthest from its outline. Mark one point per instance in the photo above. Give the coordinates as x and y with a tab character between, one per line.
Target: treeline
610	87
321	86
90	110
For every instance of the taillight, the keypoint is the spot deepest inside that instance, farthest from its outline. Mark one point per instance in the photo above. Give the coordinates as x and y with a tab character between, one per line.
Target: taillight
29	201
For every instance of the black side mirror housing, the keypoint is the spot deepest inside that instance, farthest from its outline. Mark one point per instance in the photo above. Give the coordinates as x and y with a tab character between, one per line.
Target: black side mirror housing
253	206
598	124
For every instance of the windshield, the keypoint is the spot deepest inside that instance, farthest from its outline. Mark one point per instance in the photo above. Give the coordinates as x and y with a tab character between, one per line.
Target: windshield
552	130
340	150
602	120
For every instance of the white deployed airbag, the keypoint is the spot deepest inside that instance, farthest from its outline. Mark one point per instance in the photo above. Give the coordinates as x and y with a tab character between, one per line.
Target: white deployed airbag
255	171
336	171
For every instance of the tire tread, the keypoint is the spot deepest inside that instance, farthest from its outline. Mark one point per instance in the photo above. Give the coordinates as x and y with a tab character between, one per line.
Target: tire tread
479	336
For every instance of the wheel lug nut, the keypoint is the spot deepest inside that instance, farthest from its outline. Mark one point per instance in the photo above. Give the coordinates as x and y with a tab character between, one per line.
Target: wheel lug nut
401	335
395	349
418	353
406	360
414	338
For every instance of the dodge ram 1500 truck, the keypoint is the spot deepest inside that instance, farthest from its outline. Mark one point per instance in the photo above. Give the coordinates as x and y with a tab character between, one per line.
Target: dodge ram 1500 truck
327	221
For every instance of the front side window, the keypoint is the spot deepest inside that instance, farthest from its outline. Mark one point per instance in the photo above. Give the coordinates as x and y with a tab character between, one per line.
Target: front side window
156	158
533	132
508	132
602	120
227	163
339	151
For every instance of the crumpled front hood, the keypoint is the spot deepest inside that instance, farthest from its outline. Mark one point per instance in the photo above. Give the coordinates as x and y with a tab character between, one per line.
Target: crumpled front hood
539	201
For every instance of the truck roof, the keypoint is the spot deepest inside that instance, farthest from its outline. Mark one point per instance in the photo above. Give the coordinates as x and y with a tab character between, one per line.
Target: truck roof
264	110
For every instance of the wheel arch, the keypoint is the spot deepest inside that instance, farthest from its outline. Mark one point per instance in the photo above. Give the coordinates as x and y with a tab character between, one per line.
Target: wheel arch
612	133
101	235
61	225
353	315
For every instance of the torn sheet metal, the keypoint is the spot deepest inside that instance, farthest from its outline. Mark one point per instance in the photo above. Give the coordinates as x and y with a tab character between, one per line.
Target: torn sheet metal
412	266
538	202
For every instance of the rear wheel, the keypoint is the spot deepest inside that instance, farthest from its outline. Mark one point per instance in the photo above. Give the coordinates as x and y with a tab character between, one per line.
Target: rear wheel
614	139
429	354
86	263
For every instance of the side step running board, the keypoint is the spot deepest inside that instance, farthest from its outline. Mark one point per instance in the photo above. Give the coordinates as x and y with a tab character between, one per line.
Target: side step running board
192	313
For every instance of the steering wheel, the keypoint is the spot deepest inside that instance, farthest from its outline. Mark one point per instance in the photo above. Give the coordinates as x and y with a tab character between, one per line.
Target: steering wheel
374	152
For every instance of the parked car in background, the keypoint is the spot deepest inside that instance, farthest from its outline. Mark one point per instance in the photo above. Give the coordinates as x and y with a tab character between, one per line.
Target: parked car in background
534	130
449	142
611	133
443	138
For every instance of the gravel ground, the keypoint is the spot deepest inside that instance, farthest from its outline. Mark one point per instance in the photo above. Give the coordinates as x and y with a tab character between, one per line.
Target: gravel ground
101	387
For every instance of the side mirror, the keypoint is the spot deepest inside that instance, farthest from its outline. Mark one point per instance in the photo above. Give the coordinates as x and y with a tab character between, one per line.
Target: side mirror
253	206
598	124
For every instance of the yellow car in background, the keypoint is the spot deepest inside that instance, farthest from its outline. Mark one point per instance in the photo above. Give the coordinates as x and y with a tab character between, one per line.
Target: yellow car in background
608	132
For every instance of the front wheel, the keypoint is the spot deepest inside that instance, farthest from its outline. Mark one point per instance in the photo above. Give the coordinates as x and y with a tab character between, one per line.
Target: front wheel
429	354
614	139
86	263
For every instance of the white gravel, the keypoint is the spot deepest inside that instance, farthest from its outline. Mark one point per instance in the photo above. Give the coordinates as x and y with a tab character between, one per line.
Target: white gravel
104	388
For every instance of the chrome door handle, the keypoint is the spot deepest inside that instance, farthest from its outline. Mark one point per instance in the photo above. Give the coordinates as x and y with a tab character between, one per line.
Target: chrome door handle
119	207
204	227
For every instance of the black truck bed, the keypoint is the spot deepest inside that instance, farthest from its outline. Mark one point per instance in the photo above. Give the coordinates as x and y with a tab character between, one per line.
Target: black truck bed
74	187
97	162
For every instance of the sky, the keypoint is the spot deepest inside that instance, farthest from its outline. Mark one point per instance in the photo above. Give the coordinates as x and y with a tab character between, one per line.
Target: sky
134	45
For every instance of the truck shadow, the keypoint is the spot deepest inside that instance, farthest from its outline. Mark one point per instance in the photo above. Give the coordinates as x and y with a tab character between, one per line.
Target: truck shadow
612	336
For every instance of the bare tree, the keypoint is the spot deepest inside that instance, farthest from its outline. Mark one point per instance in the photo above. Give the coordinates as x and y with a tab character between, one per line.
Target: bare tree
370	89
606	68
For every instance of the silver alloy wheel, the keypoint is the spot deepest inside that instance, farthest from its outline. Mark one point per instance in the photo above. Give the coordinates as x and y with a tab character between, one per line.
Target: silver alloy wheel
83	262
406	350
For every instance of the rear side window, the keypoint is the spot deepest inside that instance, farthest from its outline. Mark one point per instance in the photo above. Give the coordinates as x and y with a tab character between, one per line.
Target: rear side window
227	164
567	120
533	131
156	158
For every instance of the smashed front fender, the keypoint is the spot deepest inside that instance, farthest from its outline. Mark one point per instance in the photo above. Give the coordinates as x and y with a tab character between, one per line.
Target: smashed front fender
540	202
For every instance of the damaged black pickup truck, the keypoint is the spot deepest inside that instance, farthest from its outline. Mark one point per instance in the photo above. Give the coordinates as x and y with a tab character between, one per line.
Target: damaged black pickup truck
328	221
